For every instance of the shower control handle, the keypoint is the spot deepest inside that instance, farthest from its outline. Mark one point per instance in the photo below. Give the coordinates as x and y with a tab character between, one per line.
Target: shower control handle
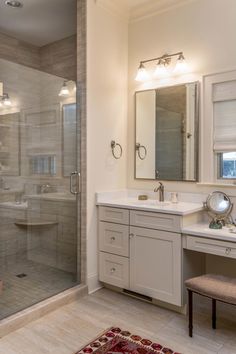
75	182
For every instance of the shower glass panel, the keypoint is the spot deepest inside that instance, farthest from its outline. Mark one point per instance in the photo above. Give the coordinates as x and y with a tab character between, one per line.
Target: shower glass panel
39	232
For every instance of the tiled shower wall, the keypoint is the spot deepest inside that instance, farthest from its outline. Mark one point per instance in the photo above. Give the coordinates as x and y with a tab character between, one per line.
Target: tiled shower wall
57	58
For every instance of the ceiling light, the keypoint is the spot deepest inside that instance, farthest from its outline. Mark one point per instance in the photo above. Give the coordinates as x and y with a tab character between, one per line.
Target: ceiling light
142	74
64	90
6	100
181	65
14	3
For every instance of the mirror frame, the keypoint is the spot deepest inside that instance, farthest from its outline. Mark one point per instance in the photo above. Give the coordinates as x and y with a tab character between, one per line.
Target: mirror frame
196	123
218	213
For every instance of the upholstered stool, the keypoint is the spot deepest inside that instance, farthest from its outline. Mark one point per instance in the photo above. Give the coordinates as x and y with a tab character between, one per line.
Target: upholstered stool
216	287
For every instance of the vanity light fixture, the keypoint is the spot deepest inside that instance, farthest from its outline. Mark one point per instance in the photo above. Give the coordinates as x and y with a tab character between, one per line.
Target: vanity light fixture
162	66
64	91
181	65
142	74
5	100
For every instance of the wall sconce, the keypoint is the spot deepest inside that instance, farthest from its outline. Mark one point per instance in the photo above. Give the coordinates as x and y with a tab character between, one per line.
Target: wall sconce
5	100
64	91
162	66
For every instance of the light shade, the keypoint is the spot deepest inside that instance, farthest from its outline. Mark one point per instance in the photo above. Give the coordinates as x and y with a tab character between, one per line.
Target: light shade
181	65
161	69
6	100
64	90
142	74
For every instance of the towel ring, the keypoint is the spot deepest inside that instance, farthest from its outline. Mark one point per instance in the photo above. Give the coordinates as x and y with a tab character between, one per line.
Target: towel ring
113	146
138	148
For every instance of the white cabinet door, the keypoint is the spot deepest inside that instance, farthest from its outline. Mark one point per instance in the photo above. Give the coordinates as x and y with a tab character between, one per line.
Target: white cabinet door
155	264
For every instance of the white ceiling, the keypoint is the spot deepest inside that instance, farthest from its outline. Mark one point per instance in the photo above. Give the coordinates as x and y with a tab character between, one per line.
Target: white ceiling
39	22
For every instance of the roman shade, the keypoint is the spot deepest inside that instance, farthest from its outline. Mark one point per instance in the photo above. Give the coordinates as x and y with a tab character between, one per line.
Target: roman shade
224	109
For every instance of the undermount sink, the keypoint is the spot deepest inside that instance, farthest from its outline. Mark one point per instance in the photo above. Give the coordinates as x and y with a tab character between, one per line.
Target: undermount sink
148	203
152	203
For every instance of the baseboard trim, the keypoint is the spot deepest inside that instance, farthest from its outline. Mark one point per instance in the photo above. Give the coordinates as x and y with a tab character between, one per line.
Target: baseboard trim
32	313
93	283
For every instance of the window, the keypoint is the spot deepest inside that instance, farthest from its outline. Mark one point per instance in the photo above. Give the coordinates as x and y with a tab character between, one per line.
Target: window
224	144
43	165
227	165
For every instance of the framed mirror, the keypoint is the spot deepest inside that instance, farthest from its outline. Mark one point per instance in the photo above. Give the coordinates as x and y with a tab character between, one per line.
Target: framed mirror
166	134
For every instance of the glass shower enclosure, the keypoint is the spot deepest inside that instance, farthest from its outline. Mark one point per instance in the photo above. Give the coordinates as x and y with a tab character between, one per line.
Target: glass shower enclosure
39	199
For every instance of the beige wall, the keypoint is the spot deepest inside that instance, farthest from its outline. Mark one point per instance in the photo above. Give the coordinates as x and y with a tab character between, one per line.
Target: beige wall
107	35
205	31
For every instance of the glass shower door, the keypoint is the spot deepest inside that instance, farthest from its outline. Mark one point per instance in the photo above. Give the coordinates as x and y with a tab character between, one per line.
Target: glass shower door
39	198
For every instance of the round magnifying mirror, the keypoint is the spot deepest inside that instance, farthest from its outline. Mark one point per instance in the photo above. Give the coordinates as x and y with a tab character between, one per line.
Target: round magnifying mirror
219	203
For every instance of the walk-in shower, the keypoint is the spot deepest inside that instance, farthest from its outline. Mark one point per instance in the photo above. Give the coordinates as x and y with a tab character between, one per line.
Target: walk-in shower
39	153
39	242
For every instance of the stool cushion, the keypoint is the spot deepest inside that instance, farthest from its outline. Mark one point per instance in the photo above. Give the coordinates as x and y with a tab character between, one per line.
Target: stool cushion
214	286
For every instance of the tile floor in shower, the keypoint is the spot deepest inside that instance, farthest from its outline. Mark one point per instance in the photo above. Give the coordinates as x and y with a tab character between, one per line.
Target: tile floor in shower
41	281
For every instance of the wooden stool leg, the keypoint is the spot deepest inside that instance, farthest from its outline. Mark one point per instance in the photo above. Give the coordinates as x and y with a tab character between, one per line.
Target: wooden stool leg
190	312
213	313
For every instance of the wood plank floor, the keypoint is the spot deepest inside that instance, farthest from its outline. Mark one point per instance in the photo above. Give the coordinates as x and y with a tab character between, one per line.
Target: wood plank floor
65	330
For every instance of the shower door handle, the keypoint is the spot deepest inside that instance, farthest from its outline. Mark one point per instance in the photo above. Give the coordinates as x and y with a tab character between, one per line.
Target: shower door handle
75	182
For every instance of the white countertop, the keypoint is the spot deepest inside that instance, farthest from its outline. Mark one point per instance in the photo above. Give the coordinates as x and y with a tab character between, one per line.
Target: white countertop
202	230
181	208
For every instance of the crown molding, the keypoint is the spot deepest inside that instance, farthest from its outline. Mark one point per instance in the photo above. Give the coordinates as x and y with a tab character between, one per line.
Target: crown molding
154	7
117	8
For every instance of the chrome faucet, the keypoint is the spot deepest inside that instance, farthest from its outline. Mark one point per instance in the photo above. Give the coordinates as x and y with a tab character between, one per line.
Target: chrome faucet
161	189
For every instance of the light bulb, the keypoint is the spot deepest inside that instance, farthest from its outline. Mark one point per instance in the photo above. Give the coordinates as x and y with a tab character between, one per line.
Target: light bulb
6	100
161	69
64	90
142	74
181	65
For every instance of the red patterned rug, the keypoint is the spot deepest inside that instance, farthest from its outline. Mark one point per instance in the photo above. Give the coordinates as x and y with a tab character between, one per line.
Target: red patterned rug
114	340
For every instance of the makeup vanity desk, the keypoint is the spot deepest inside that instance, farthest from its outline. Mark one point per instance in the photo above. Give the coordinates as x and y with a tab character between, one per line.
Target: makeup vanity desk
148	249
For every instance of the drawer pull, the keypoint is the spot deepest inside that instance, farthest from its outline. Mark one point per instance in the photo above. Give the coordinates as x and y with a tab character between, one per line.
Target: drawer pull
227	250
113	238
131	235
113	270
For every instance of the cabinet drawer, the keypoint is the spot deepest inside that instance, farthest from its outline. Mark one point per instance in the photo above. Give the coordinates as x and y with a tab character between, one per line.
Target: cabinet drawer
206	245
159	221
114	270
116	215
114	238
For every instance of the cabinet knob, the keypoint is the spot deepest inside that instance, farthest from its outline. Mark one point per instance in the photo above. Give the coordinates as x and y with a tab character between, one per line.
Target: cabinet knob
113	238
113	270
131	235
227	250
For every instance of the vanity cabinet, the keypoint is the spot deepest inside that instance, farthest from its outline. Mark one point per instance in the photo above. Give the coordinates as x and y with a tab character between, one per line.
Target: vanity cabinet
155	264
141	251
